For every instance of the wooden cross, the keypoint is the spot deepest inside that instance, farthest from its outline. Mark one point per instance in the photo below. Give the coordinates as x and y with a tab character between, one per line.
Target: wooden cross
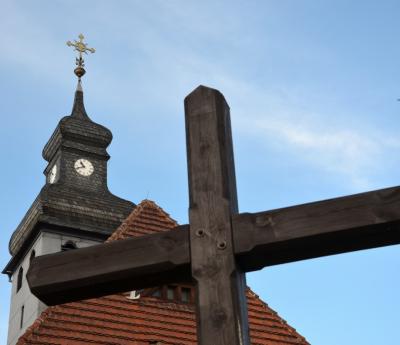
219	245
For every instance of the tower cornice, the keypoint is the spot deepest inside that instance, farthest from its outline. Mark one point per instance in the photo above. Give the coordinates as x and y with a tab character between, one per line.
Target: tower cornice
58	205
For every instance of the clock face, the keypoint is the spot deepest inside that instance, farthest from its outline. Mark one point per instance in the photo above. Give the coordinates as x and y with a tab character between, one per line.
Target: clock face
53	174
84	167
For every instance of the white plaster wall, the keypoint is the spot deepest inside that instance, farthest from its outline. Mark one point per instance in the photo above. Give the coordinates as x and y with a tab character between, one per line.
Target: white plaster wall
45	243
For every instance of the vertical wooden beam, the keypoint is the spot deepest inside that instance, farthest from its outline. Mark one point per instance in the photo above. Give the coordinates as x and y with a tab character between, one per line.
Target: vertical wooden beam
221	299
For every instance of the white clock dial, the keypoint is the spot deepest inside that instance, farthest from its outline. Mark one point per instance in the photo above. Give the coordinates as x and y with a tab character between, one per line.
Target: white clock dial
84	167
53	174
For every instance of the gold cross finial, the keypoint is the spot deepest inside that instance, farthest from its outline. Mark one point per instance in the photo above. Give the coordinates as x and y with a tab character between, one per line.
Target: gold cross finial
80	47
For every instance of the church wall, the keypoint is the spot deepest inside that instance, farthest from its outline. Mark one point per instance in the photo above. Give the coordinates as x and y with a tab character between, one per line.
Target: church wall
45	243
19	299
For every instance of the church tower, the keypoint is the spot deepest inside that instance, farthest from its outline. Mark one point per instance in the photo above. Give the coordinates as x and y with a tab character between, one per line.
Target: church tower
74	209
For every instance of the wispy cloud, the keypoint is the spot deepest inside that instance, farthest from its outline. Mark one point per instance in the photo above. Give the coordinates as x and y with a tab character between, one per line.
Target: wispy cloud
265	112
336	151
357	153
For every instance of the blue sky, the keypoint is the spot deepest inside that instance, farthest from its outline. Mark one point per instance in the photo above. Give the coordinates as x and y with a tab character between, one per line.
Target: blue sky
312	87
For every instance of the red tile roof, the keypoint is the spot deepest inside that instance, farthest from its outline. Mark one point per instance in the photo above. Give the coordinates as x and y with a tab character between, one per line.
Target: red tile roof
118	320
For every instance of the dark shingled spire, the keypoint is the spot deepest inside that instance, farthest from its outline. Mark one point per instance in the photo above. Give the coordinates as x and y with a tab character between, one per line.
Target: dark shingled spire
78	109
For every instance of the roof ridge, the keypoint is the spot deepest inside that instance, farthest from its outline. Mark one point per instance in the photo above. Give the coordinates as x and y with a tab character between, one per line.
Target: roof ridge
127	227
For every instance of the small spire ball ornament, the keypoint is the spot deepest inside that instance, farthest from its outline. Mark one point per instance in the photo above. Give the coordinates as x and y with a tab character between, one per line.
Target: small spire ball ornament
80	47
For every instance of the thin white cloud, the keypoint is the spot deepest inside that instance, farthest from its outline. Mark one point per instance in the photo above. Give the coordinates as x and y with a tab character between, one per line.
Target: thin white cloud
270	114
342	151
356	153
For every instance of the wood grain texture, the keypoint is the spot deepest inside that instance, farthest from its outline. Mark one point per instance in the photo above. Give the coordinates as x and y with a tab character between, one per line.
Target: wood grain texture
112	267
221	304
261	239
334	226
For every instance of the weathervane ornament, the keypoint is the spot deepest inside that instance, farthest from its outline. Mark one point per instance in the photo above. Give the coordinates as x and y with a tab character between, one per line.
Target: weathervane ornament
80	47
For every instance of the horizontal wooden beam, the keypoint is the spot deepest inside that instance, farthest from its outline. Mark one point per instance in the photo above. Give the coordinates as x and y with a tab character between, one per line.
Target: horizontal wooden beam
112	267
334	226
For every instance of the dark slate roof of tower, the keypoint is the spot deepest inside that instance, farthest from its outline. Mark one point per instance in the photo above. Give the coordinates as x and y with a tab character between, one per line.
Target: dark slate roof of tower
63	206
78	131
78	109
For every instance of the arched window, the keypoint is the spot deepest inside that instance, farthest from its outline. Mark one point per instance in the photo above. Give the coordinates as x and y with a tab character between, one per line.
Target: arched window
68	246
33	254
19	279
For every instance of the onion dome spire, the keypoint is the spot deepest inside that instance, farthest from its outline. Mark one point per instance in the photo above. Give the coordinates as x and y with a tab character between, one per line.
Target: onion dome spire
78	109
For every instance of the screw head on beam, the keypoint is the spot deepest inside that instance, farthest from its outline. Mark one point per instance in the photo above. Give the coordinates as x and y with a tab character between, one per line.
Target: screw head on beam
221	245
200	233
